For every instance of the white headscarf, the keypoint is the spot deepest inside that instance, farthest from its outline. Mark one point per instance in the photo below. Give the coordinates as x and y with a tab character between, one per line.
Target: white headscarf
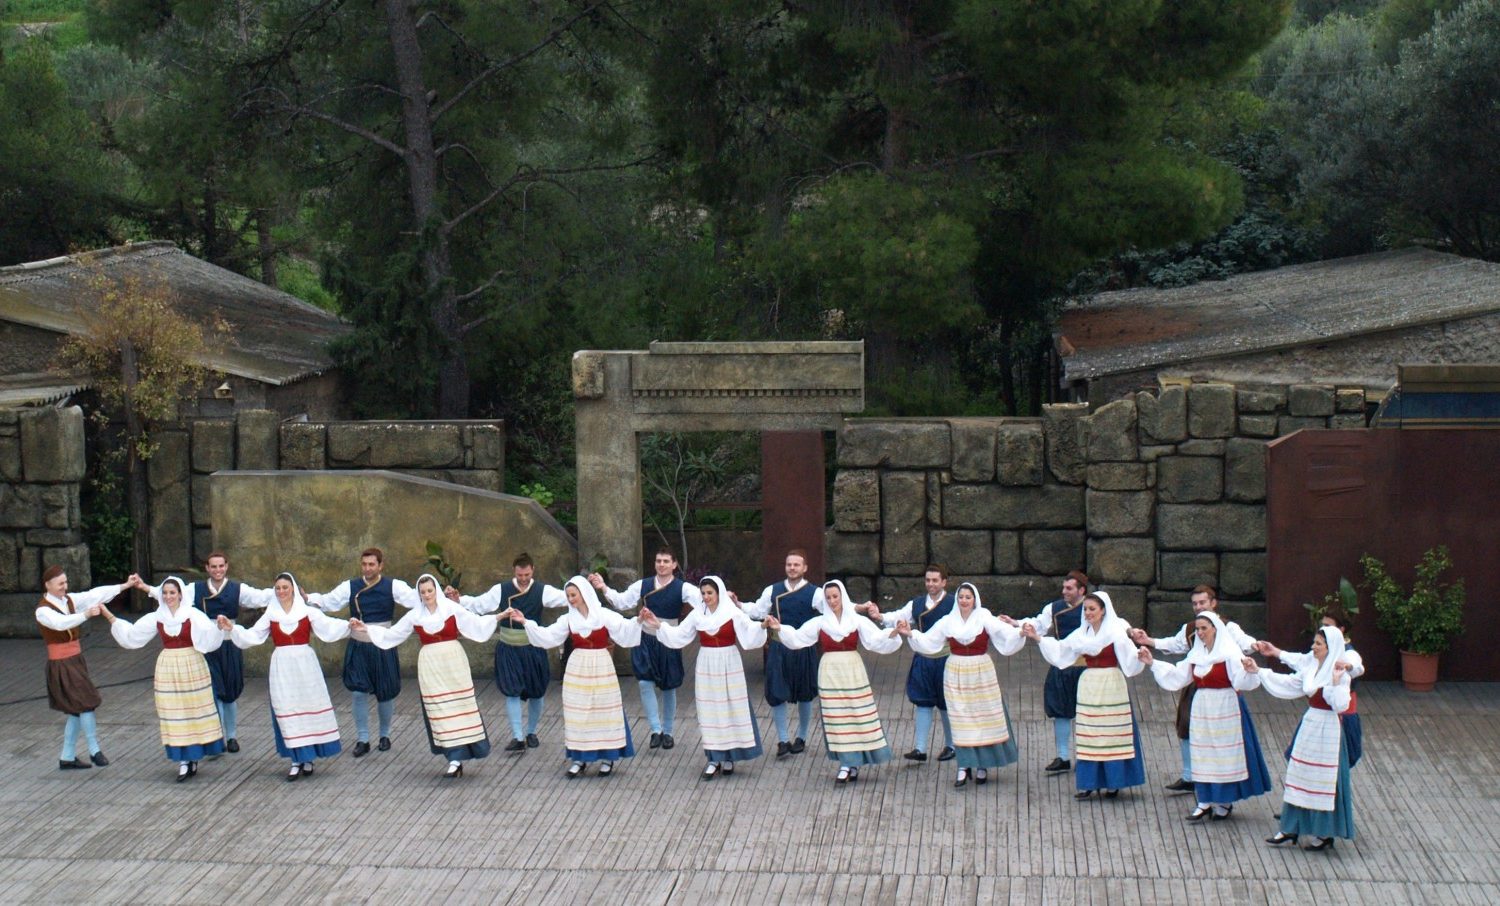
1112	629
584	623
164	615
955	626
721	614
288	617
1315	676
432	621
1224	650
839	627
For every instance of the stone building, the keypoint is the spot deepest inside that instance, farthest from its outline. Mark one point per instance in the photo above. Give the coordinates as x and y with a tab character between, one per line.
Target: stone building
275	357
1347	322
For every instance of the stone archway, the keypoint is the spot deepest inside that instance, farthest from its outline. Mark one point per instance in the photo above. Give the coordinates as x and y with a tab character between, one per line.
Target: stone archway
765	387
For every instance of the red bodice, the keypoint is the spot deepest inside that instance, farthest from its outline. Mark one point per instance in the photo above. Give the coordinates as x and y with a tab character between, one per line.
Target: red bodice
299	636
599	638
1217	678
449	632
183	638
828	645
1105	658
979	645
1317	700
723	637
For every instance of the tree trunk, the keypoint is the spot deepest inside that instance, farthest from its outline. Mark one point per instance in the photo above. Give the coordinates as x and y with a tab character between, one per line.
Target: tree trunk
135	473
422	186
265	247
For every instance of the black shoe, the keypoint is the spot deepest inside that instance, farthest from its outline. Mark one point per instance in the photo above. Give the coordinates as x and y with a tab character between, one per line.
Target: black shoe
1228	810
726	768
77	764
515	745
947	754
1057	766
667	741
915	755
385	744
783	749
980	777
192	769
294	774
1181	786
531	741
183	773
798	745
454	771
1326	843
655	740
361	749
233	745
710	772
575	769
98	759
1083	794
606	769
843	776
1282	839
307	768
963	777
1199	814
1111	794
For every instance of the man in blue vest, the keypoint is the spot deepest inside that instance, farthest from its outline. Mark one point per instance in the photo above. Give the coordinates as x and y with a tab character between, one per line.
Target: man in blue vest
522	671
658	669
368	670
924	683
1060	695
791	676
219	596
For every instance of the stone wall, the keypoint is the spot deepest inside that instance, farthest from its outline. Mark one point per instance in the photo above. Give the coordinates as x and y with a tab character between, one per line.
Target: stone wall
1151	494
42	463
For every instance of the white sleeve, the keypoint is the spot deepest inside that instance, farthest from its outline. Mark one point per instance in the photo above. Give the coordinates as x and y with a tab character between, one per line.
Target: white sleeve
679	636
1177	644
880	641
206	634
1005	638
549	636
889	620
134	635
930	642
625	633
394	634
1241	638
250	636
1130	661
1056	652
1296	660
328	602
1281	685
256	598
1042	621
757	609
1172	677
552	596
473	627
1336	695
101	595
692	596
405	595
749	633
800	637
329	629
623	600
489	602
61	621
1355	662
1240	678
819	605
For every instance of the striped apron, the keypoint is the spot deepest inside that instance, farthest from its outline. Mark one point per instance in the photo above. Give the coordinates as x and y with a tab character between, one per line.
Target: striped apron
447	686
720	693
593	714
184	692
1312	775
850	721
1216	737
1104	728
976	709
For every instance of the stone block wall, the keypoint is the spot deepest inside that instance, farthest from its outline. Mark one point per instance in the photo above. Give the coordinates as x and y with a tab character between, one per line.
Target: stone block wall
1151	495
42	464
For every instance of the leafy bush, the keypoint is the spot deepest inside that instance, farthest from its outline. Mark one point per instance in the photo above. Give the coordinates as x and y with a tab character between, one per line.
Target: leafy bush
1423	620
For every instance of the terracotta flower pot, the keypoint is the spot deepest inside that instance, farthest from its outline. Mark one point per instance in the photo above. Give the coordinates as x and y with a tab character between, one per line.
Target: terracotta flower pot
1419	671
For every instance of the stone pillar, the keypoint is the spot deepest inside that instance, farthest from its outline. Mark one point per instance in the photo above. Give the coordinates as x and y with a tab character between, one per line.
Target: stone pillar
609	465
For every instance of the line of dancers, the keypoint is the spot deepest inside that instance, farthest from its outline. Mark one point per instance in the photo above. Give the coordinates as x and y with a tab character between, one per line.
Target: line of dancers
813	636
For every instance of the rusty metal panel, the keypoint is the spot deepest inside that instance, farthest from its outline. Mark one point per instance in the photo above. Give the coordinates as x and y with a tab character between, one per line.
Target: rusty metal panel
793	500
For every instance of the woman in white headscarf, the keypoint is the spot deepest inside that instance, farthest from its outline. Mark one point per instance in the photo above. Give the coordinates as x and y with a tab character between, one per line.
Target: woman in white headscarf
851	723
1318	799
590	689
982	733
1226	758
190	728
455	726
301	712
725	719
1105	734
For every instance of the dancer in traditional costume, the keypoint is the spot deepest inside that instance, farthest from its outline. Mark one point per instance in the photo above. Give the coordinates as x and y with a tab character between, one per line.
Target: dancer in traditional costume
924	681
1318	800
851	722
1106	737
368	670
1349	722
725	719
1226	759
69	688
658	669
301	712
522	671
594	725
982	731
1204	598
216	596
1059	619
455	726
190	727
791	676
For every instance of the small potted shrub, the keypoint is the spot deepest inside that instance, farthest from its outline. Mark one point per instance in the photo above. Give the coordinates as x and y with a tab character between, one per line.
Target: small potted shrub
1421	621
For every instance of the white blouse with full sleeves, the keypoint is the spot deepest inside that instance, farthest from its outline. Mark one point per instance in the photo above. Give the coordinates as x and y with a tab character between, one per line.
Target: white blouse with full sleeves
82	601
205	632
1289	686
1064	653
1172	677
623	632
747	632
470	625
1005	638
1297	660
329	629
871	637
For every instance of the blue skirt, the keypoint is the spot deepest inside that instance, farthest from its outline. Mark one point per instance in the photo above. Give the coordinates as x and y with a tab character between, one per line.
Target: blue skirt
1259	779
1338	823
1354	738
369	669
457	753
226	667
753	752
791	676
180	754
303	754
881	755
654	662
605	754
1113	775
992	756
924	684
521	671
1060	692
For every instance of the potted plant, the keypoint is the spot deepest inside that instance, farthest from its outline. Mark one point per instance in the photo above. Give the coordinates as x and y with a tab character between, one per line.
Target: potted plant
1420	621
1345	599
